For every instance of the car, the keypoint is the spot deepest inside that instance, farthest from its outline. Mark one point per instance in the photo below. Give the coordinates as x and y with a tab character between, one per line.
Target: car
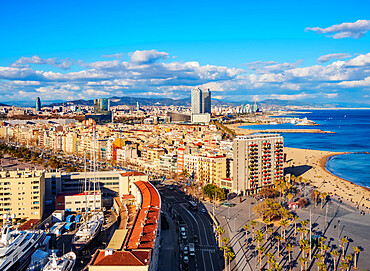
186	250
203	210
228	204
191	249
195	239
183	235
186	259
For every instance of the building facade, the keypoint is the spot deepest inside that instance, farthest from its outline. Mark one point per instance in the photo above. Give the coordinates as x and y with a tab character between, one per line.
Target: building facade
257	162
22	193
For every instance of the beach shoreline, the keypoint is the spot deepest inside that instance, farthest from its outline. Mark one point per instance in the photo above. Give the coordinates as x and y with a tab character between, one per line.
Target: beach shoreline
311	165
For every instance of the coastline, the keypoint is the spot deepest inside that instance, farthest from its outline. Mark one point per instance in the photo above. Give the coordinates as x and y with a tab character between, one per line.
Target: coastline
311	165
314	163
243	131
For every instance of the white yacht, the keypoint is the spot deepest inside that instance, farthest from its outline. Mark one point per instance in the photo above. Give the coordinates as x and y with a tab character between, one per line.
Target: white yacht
64	263
17	247
92	225
88	231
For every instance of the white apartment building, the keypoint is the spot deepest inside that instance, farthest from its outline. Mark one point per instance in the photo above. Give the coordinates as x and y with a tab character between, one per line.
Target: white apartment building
258	162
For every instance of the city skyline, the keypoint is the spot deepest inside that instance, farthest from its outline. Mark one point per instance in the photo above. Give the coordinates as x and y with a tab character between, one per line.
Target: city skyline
253	52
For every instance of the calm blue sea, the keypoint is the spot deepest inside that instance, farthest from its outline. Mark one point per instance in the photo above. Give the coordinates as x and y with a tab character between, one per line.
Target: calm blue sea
352	134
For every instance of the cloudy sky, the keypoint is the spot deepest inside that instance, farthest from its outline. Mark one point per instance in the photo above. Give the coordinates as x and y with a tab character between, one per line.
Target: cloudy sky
315	51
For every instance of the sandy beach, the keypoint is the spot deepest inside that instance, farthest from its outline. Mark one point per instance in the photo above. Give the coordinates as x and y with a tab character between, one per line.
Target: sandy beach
310	164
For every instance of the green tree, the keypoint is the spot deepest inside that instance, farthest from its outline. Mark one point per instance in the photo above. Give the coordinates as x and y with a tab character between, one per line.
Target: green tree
278	238
303	262
230	255
246	227
335	254
253	224
289	248
356	251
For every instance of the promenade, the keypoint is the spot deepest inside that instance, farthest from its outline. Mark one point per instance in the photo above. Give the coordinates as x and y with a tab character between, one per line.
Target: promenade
352	225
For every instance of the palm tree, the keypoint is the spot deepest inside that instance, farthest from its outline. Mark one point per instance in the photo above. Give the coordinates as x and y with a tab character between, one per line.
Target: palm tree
303	261
304	223
271	231
290	248
259	237
261	250
295	224
246	227
318	257
343	265
300	230
356	251
225	241
316	195
230	255
253	223
266	221
306	249
278	238
220	231
284	223
334	253
278	267
321	266
349	258
343	241
269	256
324	248
226	249
323	197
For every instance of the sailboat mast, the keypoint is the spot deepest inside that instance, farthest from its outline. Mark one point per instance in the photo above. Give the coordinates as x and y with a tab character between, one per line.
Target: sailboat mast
94	167
85	191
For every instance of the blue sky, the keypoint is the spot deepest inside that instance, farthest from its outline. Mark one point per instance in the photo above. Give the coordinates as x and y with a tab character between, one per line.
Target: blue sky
59	49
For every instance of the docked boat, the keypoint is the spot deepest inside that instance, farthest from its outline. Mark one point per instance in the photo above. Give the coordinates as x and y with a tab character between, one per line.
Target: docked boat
64	263
17	247
88	231
92	225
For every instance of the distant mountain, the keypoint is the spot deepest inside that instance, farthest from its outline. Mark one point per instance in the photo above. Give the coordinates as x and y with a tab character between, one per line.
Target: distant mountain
1	104
126	100
277	102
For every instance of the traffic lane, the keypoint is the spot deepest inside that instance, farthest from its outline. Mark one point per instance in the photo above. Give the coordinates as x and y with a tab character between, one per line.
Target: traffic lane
212	247
202	260
190	229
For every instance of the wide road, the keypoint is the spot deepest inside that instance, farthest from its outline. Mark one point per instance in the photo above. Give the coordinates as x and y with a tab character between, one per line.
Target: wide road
207	254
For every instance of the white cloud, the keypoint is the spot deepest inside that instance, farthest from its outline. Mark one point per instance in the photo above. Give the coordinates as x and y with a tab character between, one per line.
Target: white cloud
345	30
148	56
63	64
329	57
332	95
361	60
118	55
150	76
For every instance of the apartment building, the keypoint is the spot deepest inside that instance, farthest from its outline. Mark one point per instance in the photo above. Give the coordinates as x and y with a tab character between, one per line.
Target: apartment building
211	169
22	193
258	162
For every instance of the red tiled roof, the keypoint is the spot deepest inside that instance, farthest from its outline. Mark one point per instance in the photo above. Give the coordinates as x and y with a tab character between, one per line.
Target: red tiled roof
29	224
128	196
144	232
132	173
122	258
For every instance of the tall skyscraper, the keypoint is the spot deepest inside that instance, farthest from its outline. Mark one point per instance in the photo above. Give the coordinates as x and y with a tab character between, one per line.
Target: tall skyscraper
258	162
38	104
200	101
101	105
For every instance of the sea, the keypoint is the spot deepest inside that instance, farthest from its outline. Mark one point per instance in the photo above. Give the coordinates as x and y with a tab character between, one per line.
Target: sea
351	129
